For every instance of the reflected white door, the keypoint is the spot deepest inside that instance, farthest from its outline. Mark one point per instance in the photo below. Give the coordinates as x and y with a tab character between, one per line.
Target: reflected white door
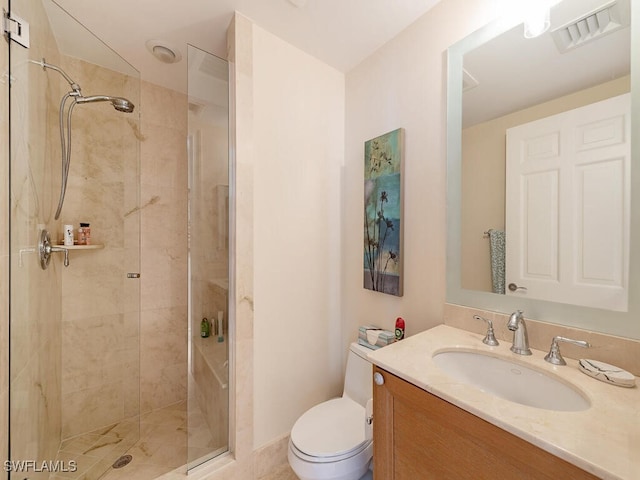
567	206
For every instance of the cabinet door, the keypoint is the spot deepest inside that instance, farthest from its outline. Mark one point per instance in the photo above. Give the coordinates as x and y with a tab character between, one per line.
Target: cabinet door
420	436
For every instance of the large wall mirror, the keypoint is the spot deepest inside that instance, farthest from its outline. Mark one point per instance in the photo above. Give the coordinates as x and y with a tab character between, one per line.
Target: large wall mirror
542	212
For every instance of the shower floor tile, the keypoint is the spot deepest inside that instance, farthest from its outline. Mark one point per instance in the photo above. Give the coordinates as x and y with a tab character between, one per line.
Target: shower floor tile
158	446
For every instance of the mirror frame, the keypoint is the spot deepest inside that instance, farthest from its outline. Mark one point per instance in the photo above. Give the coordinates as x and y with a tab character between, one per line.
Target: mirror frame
624	324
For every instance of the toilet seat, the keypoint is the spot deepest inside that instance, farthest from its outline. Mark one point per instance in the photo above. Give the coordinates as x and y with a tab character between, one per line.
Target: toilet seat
330	432
333	459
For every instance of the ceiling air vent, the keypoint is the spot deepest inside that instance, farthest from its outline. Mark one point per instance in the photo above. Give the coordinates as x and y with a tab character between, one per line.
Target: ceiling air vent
602	21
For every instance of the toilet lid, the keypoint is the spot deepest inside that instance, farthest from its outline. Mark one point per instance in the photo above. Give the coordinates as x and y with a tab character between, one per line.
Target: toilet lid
330	429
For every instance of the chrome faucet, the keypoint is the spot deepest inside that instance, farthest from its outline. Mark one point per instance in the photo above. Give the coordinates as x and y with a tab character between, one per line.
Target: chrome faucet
554	355
520	338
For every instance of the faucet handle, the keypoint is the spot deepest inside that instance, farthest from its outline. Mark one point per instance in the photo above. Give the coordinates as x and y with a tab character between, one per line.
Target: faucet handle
554	355
489	338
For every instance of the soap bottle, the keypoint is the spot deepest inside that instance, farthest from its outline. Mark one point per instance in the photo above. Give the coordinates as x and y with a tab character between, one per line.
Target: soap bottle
68	235
85	228
205	328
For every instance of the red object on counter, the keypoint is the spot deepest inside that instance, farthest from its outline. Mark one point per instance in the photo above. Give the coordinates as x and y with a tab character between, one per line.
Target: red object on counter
399	328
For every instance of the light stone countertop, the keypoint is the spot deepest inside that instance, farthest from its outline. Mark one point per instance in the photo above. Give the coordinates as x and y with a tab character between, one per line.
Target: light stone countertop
603	440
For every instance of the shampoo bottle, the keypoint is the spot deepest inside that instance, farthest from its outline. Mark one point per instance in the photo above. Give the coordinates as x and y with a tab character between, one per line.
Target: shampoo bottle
205	328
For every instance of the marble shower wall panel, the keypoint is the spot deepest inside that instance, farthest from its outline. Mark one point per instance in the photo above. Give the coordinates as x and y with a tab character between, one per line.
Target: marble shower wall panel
35	294
100	337
163	209
4	248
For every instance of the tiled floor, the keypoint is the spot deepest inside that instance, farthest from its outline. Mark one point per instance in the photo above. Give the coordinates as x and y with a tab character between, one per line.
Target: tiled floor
282	473
160	447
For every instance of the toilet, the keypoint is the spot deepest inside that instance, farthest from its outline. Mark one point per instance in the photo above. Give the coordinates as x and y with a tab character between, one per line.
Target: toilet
334	439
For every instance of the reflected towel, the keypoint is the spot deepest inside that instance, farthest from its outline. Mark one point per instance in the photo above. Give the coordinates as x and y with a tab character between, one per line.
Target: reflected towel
496	252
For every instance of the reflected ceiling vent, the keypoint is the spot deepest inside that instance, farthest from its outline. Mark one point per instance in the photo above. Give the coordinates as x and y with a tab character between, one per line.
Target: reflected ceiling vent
602	21
468	81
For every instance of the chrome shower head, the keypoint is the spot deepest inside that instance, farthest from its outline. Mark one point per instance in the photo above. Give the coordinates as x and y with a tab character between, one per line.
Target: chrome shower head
119	103
122	104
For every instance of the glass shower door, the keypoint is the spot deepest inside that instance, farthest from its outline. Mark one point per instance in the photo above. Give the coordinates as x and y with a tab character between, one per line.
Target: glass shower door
208	152
74	329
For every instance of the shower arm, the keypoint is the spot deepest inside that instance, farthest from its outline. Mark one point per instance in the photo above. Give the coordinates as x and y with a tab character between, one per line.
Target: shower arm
74	86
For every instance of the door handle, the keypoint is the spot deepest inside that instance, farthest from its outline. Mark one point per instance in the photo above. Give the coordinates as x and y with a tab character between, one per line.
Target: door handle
513	287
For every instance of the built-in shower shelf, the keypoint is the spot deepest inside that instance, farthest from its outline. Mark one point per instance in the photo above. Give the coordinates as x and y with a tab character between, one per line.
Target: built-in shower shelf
84	247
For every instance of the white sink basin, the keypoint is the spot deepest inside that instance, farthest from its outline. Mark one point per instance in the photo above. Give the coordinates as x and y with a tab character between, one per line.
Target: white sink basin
511	381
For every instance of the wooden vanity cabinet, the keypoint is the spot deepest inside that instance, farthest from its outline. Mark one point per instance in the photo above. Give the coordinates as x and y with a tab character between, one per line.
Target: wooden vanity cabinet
419	436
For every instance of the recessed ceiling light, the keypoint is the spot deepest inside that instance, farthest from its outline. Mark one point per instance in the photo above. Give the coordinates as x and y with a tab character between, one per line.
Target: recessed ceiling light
164	51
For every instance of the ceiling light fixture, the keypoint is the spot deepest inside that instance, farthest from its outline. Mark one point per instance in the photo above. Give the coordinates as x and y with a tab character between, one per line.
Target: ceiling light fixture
537	20
164	51
537	16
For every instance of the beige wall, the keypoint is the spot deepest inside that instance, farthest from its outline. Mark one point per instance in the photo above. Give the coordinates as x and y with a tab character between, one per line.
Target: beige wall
483	175
298	138
403	85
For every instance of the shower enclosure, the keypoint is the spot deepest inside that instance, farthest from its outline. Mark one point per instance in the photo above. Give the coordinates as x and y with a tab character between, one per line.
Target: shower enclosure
107	354
74	345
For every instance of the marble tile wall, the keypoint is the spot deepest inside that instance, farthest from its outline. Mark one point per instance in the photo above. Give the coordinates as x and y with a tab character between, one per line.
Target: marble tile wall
4	248
163	208
100	338
35	296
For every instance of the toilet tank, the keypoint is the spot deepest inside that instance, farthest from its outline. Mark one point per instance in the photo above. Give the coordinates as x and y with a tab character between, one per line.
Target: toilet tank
358	378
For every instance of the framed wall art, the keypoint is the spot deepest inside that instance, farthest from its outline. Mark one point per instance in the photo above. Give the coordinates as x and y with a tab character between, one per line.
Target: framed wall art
383	255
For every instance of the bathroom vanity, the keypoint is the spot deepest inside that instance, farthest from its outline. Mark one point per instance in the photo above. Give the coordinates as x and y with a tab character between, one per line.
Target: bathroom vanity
419	435
429	425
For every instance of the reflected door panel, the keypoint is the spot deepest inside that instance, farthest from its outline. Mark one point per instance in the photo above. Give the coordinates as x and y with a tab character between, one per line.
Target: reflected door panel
567	206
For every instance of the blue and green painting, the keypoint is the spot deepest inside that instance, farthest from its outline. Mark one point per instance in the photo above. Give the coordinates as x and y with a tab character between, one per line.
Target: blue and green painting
383	213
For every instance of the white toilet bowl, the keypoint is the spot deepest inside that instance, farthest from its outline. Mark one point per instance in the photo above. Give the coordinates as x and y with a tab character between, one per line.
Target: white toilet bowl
333	440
